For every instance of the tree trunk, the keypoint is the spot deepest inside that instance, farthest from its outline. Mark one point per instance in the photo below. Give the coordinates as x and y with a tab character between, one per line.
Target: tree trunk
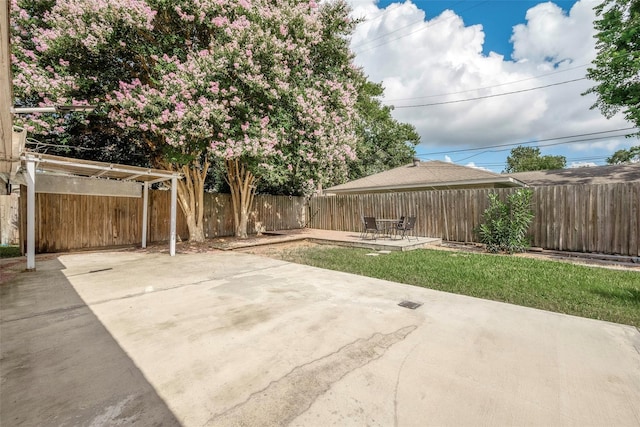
242	184
191	196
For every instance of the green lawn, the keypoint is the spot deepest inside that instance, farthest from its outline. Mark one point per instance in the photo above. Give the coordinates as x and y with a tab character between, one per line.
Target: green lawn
593	292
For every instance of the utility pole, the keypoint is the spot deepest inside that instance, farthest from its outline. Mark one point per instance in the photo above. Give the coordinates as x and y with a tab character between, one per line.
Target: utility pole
6	93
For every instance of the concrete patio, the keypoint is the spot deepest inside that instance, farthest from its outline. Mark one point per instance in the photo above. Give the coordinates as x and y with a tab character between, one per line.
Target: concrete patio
232	339
340	238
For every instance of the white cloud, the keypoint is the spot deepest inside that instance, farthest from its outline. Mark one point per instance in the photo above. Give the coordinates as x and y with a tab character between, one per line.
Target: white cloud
419	58
551	36
608	145
473	165
448	159
575	165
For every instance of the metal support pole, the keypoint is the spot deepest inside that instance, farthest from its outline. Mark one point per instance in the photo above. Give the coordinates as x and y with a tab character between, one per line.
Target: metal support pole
145	202
174	198
31	215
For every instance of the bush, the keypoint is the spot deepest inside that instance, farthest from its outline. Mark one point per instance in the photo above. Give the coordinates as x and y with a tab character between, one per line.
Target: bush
9	251
505	224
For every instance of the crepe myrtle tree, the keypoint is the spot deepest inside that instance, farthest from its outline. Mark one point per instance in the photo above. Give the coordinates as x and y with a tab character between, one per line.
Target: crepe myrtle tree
255	86
616	68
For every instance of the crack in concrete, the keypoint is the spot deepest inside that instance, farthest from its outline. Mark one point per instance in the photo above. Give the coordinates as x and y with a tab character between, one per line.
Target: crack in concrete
284	399
395	394
45	313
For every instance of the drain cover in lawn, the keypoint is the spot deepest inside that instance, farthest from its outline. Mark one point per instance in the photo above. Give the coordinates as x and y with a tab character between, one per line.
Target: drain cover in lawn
410	304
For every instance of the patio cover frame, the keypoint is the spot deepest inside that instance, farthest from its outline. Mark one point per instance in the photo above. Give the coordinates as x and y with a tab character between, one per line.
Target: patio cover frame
33	162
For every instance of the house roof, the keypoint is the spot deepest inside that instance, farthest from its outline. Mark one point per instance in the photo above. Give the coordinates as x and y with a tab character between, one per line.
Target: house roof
608	174
426	175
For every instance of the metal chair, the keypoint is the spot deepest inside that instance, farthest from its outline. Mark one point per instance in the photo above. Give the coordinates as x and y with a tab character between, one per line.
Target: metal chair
363	227
370	226
408	228
398	226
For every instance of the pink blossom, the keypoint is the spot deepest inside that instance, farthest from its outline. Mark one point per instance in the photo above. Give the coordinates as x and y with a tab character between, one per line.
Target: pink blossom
221	97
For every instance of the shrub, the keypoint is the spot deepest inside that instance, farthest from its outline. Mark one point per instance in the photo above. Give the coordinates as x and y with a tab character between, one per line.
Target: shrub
9	251
506	223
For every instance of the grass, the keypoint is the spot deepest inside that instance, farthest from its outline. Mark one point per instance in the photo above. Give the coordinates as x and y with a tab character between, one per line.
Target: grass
597	293
9	251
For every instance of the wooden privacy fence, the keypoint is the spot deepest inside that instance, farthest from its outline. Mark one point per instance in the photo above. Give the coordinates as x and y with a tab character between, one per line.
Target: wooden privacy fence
70	221
9	207
586	218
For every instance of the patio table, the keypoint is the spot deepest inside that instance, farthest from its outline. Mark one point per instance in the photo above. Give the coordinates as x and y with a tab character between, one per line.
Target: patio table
386	225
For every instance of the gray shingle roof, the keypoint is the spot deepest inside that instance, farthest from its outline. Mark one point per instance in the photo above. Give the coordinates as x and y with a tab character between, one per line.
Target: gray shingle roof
424	175
608	174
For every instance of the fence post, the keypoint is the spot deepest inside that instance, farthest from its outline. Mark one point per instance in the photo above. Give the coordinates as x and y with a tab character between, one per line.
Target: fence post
145	213
172	230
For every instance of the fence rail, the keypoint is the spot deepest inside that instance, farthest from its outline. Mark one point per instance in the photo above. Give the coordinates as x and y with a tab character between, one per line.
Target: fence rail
69	221
587	218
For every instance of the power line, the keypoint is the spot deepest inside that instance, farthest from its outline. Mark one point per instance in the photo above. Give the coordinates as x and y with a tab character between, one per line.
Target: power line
489	96
511	144
487	87
569	159
391	32
44	144
549	145
385	34
381	14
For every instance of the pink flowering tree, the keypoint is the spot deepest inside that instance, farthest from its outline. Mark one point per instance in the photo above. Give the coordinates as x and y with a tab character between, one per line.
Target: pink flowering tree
264	88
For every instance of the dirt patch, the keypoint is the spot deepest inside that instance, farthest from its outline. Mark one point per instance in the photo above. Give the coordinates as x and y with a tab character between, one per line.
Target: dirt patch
10	267
281	250
611	262
284	251
283	246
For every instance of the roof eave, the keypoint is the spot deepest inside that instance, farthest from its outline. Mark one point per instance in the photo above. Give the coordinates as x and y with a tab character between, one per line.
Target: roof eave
507	181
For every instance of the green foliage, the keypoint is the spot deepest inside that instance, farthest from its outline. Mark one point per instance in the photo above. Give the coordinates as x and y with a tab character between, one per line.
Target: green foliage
625	156
524	159
9	251
506	223
617	64
384	143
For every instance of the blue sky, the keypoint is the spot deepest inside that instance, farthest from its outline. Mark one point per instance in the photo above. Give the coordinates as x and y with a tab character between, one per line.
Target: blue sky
496	17
446	52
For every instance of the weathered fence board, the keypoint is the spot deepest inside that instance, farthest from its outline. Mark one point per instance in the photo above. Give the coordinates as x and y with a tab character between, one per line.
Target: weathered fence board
69	221
586	218
9	208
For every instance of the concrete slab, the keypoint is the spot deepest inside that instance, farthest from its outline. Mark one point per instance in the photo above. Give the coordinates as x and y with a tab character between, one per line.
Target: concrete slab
340	238
229	338
59	366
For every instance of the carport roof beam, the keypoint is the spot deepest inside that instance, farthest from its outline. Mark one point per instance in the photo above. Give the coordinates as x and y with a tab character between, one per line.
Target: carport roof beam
49	163
69	166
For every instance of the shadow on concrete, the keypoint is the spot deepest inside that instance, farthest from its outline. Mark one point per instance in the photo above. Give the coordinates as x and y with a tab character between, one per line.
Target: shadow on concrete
60	366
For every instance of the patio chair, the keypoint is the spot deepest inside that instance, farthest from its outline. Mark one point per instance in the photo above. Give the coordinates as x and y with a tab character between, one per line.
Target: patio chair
363	227
408	228
398	226
370	226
